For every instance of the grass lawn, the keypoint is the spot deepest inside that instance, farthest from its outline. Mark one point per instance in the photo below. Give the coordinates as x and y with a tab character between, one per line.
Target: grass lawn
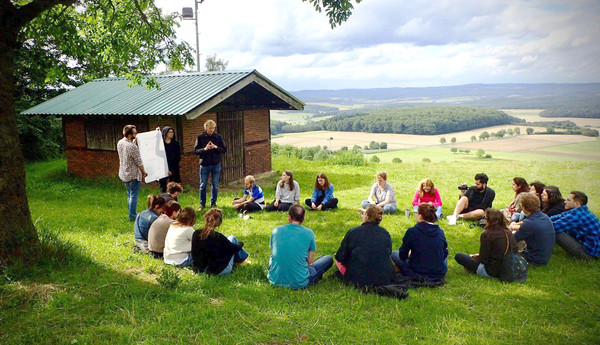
586	147
94	289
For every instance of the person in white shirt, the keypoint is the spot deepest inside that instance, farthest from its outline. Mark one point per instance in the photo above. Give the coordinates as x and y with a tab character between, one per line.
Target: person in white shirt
178	243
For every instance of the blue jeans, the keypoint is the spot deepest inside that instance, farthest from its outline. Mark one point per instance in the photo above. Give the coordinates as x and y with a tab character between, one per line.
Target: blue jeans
133	191
318	268
438	211
387	208
215	172
238	257
403	265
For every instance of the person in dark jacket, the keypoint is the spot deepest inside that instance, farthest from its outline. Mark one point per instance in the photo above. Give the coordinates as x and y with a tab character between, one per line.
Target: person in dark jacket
424	251
210	146
537	231
552	201
364	254
473	201
212	252
495	241
173	152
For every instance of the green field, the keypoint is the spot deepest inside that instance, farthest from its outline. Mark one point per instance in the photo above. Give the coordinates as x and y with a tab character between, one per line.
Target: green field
92	289
587	147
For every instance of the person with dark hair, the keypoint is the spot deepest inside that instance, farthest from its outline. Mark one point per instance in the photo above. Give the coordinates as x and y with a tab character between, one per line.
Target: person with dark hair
364	254
173	191
578	229
495	242
287	193
253	199
173	152
537	232
293	249
382	194
537	188
210	146
178	243
144	220
513	212
322	196
131	168
423	255
552	201
158	229
473	201
212	252
427	193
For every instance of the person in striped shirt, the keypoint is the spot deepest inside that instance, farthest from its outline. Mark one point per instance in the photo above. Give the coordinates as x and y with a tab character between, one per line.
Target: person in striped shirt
253	199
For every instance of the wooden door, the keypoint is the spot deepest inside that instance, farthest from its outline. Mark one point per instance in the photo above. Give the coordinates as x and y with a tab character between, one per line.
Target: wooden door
230	125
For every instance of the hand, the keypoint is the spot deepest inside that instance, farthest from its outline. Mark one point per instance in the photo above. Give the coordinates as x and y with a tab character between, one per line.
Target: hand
474	256
313	206
158	128
276	203
430	203
236	206
144	174
170	173
320	207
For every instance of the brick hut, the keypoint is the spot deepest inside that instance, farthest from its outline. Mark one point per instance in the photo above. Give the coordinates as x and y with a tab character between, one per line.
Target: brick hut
238	101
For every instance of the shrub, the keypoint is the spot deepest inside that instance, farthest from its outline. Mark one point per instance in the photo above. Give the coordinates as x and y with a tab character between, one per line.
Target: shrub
168	279
529	130
426	160
321	155
383	146
467	151
473	138
480	153
588	132
356	148
396	160
453	140
487	156
442	140
453	150
517	131
355	158
344	148
374	159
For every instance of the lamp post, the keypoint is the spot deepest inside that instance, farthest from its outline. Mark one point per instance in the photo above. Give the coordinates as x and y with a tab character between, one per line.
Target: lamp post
186	14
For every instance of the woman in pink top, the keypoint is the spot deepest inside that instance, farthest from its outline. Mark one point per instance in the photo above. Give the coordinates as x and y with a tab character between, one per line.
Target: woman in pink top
427	193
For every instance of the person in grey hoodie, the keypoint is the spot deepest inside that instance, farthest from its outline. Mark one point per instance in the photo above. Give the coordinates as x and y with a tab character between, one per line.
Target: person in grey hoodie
173	151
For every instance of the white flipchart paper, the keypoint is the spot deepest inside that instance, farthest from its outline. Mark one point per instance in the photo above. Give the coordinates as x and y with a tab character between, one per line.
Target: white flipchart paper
154	156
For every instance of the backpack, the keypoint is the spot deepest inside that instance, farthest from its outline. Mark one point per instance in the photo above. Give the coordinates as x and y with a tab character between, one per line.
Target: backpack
514	266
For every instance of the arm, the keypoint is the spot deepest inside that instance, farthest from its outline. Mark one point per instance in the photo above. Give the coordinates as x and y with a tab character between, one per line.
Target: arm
438	199
178	154
221	145
523	232
484	249
311	258
406	245
328	194
297	192
343	253
488	199
198	147
566	221
416	199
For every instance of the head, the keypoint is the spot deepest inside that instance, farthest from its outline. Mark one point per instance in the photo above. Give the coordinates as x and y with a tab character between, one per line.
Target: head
172	209
186	217
322	182
174	189
287	177
129	132
530	203
381	177
373	214
551	195
213	218
519	185
296	214
156	203
494	219
576	199
536	188
426	187
249	181
168	132
481	181
210	127
426	213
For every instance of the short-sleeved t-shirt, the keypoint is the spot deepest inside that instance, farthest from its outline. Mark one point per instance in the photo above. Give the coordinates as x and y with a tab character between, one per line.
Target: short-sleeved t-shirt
386	194
257	194
290	244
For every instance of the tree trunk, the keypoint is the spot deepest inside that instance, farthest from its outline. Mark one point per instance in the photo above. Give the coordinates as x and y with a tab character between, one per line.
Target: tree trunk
18	236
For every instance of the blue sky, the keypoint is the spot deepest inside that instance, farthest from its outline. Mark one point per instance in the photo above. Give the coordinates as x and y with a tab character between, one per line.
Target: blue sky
400	43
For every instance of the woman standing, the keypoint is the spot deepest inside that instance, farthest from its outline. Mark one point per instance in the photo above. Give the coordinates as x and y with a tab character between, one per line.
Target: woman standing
212	252
322	196
173	152
382	194
286	194
178	243
427	193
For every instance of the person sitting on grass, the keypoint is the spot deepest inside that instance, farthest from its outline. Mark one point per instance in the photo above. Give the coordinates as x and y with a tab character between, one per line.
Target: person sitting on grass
427	193
286	194
513	212
293	249
158	229
578	229
253	199
212	252
173	191
322	196
178	243
364	254
495	241
382	194
144	220
552	201
423	255
537	232
473	201
537	188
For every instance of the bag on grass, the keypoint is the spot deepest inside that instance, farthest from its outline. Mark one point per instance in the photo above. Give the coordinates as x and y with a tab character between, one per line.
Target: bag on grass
514	266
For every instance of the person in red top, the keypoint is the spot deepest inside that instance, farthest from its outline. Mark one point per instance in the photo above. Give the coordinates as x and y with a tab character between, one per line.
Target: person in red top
427	193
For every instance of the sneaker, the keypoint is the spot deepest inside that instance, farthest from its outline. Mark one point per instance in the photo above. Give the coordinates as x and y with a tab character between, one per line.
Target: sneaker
451	220
244	263
200	208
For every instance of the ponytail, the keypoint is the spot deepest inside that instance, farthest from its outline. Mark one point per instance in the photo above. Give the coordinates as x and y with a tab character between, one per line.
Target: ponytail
155	201
213	218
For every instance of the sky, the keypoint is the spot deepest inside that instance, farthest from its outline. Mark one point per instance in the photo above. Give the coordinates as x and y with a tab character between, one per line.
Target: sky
401	43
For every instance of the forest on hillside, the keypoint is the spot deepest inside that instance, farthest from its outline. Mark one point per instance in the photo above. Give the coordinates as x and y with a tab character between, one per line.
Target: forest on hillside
581	111
414	120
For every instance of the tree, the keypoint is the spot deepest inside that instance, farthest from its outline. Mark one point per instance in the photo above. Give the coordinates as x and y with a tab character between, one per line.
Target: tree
83	39
484	135
473	138
529	131
453	150
509	131
453	140
374	159
442	140
480	153
517	131
214	65
383	145
396	160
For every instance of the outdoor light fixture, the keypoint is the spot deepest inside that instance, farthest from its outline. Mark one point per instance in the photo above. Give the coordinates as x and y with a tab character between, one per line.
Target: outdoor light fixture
188	14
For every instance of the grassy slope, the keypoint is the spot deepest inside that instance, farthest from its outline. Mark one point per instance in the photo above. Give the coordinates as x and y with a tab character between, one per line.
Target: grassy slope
106	294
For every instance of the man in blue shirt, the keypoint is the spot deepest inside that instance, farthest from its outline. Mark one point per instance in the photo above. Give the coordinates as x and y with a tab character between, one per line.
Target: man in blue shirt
578	229
253	199
537	232
293	249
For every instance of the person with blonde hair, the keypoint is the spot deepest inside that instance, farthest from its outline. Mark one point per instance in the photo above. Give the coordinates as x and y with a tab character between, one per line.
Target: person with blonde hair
382	194
178	243
253	199
145	219
322	196
364	254
212	252
427	193
210	146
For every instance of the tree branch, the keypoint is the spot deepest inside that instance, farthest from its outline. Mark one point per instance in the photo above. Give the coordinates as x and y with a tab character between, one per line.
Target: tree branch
32	10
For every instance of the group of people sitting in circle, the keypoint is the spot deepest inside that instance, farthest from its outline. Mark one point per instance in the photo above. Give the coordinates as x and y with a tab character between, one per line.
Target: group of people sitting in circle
535	220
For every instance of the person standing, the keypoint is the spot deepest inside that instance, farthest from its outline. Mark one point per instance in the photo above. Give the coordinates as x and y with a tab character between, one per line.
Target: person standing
210	146
173	152
131	169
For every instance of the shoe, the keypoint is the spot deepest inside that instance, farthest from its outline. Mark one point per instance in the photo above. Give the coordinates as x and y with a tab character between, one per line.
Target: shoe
213	206
245	262
200	208
451	220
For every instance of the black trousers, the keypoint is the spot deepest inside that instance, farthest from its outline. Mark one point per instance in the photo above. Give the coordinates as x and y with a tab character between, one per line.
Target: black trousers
283	206
326	206
175	177
249	207
467	262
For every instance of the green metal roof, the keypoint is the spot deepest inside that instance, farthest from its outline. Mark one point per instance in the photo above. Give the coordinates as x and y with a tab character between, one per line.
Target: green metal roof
179	94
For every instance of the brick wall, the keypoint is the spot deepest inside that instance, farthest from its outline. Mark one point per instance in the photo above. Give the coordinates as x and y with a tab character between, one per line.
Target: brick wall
190	166
92	163
74	131
257	147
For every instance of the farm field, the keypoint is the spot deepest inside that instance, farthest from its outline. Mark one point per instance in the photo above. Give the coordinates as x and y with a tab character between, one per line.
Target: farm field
532	115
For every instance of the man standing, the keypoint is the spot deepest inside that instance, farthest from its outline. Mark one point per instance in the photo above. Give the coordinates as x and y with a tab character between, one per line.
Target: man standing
537	232
292	253
578	229
131	170
209	146
473	201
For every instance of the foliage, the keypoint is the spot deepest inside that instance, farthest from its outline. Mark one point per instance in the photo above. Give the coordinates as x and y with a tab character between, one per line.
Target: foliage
213	64
484	135
529	130
480	153
41	137
426	160
383	145
396	160
338	11
374	159
316	153
517	131
453	150
453	140
168	278
581	111
473	138
442	140
373	145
